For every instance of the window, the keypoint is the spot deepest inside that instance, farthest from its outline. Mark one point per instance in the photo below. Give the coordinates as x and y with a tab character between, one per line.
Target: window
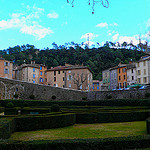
63	71
54	73
132	77
124	77
45	79
54	84
63	86
144	63
41	73
6	71
97	86
33	69
6	64
138	64
41	79
144	79
54	78
124	84
119	77
40	67
144	71
81	87
119	85
124	70
119	70
70	77
58	72
93	86
63	78
33	75
69	71
132	70
139	72
33	81
69	85
139	80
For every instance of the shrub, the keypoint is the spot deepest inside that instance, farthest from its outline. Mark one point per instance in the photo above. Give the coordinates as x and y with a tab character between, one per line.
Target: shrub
84	98
147	95
53	97
10	105
16	96
31	96
55	108
109	97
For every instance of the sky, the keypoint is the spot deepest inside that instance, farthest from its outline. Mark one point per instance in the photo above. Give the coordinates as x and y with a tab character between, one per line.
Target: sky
42	22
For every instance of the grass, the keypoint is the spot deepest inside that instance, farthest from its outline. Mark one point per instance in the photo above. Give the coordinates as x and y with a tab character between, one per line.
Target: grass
84	131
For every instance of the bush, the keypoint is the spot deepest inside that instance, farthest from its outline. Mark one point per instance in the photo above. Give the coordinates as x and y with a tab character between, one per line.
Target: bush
53	97
10	105
55	108
16	96
109	97
84	98
31	96
147	95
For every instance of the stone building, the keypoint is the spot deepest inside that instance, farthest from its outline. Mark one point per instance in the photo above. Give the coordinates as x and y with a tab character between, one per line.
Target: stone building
131	74
143	70
106	80
6	68
113	78
70	76
33	73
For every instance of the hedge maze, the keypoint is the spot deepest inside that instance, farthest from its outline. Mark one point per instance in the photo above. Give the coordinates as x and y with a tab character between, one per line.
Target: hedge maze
37	115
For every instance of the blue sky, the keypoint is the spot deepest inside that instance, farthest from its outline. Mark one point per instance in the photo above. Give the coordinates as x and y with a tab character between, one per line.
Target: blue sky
42	22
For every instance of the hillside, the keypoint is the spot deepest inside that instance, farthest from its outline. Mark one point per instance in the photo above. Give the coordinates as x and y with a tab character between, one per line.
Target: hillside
98	59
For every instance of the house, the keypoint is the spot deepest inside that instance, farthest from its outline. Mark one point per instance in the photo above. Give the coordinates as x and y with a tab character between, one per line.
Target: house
33	73
6	68
122	75
70	76
113	78
143	70
97	85
106	80
131	74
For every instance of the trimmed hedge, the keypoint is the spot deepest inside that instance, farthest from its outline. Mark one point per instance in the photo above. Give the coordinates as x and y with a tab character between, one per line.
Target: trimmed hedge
148	125
137	142
118	102
7	127
30	123
109	117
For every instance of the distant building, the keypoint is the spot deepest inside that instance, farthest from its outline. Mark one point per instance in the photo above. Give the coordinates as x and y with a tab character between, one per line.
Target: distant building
106	80
6	68
33	73
70	76
96	85
131	74
143	70
113	78
122	75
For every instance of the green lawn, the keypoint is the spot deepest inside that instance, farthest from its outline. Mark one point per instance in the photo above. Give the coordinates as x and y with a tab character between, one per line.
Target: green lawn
103	130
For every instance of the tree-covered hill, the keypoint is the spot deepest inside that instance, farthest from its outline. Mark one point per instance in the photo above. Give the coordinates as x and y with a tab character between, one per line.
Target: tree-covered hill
98	59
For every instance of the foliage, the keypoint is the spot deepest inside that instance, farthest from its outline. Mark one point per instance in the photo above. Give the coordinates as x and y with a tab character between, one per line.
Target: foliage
53	97
109	97
16	96
55	108
73	53
31	96
10	105
147	95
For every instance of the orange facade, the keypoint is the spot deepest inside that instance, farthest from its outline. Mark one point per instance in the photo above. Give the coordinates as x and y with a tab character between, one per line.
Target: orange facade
42	75
122	77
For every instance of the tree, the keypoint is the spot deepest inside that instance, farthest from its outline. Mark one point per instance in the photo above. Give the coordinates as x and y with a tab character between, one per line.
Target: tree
79	79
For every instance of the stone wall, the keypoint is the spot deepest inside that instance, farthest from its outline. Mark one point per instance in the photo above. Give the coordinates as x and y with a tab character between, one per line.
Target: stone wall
125	94
8	88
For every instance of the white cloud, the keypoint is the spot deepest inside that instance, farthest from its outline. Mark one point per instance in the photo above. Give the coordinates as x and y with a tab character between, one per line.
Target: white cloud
53	15
115	37
88	42
102	25
90	35
36	30
105	24
27	23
